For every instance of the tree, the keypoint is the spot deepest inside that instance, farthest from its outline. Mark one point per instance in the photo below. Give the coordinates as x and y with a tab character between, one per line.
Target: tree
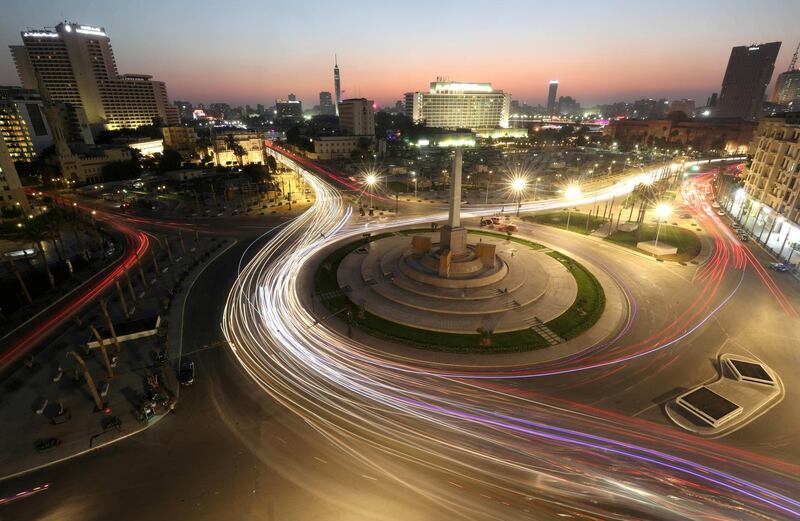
170	160
235	147
272	164
35	232
119	170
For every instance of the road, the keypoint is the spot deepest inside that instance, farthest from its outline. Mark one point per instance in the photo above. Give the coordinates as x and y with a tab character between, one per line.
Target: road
343	433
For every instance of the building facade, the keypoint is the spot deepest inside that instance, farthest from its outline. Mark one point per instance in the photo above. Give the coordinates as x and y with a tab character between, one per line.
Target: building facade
75	64
335	147
455	105
774	173
12	195
552	91
251	141
787	91
291	109
746	78
357	117
326	106
181	139
731	135
23	124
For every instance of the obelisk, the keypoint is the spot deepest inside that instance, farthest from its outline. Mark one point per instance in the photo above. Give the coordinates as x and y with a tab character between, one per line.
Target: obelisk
453	236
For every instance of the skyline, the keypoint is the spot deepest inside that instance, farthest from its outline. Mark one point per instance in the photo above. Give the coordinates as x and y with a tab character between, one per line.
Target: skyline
383	68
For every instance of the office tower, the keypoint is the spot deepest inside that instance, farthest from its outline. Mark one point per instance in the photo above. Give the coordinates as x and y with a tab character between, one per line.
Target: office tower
356	117
712	100
454	105
289	109
185	110
567	105
787	90
746	78
337	85
76	65
326	107
551	96
12	195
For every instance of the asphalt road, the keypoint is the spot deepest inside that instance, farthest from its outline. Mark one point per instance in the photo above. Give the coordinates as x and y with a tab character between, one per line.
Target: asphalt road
231	452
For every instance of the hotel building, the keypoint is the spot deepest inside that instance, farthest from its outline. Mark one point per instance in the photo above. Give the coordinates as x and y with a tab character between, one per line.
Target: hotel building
457	105
75	64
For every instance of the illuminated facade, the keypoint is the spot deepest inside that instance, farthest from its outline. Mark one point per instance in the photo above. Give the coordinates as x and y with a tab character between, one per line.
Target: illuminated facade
75	64
11	191
251	141
23	125
180	139
455	105
732	135
774	174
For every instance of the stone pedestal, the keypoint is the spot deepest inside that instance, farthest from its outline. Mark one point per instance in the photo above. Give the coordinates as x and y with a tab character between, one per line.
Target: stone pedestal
445	259
486	253
453	239
421	244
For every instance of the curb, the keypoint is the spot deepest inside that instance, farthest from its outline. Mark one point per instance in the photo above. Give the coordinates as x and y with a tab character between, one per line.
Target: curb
156	419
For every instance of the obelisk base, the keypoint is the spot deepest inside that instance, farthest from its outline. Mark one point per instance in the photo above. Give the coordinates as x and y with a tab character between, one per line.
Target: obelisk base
453	239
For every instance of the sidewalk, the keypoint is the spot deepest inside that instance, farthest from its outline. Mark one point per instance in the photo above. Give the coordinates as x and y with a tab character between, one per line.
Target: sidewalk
86	429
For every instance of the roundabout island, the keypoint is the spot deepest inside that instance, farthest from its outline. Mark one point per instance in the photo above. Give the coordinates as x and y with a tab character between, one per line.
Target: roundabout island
459	290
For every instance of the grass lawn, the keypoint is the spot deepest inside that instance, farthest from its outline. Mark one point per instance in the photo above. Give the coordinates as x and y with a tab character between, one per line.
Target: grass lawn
584	312
687	242
577	221
589	302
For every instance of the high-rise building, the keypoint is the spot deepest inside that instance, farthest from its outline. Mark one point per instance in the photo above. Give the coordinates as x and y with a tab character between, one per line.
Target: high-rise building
12	195
337	84
22	122
773	176
746	78
326	107
682	105
454	105
181	139
185	110
74	64
357	117
787	90
568	106
289	109
712	100
551	96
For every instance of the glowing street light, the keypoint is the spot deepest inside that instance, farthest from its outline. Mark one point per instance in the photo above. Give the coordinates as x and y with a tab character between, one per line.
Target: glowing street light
518	184
662	211
572	191
371	179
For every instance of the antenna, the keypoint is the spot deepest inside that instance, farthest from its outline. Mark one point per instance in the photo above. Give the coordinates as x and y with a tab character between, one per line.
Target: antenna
793	63
335	60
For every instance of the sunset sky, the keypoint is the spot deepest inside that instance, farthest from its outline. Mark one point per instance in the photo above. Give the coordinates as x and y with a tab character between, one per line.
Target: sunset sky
243	51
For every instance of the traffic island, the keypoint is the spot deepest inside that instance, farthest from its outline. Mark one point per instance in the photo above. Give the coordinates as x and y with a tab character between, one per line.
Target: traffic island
744	390
501	294
674	242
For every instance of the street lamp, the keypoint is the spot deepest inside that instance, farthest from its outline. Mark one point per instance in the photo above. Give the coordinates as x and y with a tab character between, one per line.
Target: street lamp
662	211
572	191
371	180
518	185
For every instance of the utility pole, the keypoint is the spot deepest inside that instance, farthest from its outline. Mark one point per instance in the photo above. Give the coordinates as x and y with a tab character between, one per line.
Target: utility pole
89	380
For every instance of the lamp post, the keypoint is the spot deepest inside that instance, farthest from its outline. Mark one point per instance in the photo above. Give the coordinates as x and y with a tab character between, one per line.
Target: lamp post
662	211
536	187
572	191
371	179
518	185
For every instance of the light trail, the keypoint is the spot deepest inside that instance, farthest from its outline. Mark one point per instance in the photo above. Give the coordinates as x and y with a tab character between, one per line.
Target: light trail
576	460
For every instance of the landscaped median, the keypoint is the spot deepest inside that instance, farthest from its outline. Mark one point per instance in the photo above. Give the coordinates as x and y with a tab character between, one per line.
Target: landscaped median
687	242
580	316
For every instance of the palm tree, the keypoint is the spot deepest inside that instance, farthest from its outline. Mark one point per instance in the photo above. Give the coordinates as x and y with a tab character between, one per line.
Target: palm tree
34	232
235	147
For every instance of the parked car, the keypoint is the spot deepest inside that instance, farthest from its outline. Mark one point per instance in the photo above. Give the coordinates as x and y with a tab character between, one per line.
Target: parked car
779	267
736	226
743	237
714	205
186	373
720	212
